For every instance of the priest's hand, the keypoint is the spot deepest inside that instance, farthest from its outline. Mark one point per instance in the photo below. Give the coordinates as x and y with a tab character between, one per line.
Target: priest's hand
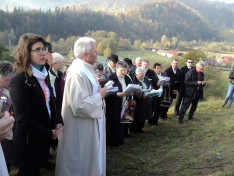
6	125
57	131
102	91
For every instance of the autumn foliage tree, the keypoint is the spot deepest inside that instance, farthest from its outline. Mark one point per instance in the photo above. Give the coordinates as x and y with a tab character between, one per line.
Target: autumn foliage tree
107	52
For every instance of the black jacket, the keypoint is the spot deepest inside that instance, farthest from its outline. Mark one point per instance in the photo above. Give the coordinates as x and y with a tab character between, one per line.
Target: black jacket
33	126
175	80
191	85
57	86
150	74
113	102
143	109
183	71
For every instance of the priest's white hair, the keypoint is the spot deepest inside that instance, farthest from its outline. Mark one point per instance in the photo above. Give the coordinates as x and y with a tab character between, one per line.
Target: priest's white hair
83	44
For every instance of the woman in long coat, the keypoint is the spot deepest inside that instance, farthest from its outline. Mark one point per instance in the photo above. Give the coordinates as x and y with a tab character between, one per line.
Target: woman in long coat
35	109
114	104
143	110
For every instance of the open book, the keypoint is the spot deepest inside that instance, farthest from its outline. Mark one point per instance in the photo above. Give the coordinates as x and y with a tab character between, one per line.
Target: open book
154	92
132	88
164	80
110	89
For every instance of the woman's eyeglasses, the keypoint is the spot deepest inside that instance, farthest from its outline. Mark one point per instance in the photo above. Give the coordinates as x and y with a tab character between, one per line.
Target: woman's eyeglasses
40	50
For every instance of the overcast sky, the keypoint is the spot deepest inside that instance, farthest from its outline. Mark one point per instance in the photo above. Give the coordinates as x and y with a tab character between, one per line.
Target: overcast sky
227	1
46	4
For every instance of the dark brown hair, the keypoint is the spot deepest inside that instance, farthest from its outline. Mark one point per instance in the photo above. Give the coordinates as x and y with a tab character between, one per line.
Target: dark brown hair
22	57
157	64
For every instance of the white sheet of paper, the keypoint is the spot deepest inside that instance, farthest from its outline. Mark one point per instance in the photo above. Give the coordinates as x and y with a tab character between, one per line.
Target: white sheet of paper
132	88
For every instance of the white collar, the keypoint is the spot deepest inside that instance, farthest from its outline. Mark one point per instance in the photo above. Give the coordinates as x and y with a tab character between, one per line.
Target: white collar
39	74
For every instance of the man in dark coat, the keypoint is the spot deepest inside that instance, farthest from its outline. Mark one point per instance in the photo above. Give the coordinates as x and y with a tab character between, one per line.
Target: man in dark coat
180	96
151	75
174	73
194	83
130	73
160	111
110	67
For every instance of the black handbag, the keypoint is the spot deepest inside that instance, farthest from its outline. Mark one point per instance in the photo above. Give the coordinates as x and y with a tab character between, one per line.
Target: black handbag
166	100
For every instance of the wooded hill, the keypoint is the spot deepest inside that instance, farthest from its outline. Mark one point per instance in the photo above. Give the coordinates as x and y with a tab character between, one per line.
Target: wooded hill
216	12
143	22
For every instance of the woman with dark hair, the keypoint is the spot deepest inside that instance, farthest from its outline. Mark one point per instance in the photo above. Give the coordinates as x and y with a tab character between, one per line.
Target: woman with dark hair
114	104
35	109
6	72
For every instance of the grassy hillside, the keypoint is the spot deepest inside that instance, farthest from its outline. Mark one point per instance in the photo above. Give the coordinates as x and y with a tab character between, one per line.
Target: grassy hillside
145	54
203	146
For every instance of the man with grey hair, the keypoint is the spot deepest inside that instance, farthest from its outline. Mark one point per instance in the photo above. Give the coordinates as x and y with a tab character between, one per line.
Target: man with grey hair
138	62
82	143
194	83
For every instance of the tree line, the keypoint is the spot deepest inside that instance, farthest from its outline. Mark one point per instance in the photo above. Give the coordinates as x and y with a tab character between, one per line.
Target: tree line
145	22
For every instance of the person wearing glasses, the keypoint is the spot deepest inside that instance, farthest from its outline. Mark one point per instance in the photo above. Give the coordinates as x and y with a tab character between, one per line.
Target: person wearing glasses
180	97
35	109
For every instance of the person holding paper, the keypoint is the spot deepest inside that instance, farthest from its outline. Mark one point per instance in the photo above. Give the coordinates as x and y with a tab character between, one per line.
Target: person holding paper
6	73
150	74
35	109
142	111
161	111
82	143
115	104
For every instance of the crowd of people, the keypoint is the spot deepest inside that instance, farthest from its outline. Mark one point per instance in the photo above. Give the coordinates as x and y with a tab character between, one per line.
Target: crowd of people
75	111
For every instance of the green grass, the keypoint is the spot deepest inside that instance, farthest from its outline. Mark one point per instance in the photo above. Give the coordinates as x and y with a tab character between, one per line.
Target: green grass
174	149
145	54
177	150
